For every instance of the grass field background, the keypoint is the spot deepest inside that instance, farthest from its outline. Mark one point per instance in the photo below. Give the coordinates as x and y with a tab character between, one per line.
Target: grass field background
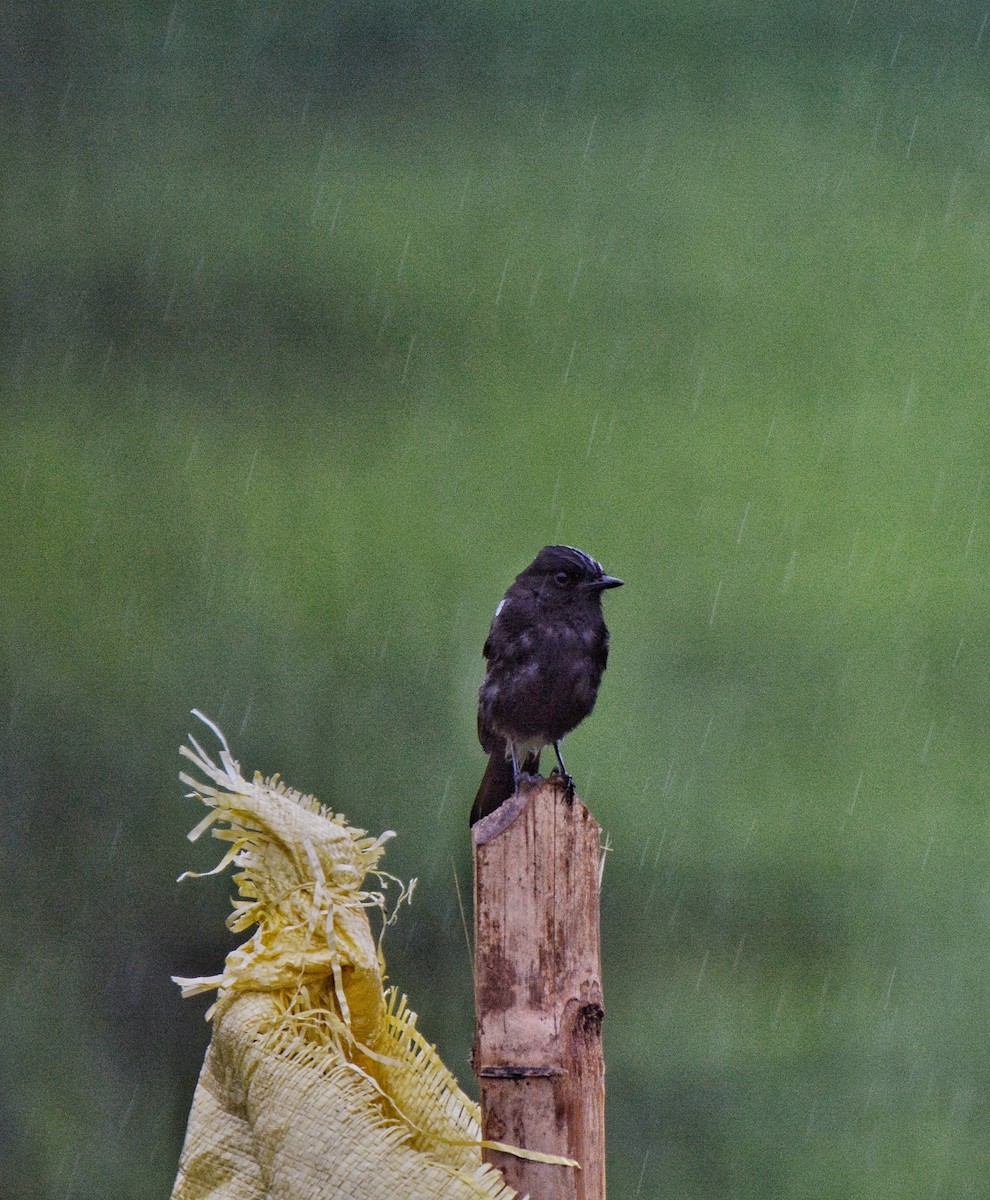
317	325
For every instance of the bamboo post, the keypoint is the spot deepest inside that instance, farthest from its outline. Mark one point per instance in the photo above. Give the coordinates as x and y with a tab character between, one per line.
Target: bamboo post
538	991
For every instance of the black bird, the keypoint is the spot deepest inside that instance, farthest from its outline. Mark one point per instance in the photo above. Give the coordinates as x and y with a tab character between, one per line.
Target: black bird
546	652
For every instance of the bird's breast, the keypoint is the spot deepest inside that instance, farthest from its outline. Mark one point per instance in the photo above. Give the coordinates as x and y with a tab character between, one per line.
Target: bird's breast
543	680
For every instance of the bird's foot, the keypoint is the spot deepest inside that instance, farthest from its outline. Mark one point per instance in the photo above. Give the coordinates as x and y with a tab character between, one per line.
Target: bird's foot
567	781
525	779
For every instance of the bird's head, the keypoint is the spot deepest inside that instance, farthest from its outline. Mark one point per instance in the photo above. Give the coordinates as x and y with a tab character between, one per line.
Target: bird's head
566	575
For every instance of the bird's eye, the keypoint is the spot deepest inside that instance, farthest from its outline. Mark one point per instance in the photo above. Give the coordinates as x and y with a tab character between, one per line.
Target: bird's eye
562	577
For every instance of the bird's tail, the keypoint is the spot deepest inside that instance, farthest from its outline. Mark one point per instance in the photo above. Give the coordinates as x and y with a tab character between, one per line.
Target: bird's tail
498	782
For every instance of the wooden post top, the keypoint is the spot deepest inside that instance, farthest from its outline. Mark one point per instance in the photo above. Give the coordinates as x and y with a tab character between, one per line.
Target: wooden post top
538	1050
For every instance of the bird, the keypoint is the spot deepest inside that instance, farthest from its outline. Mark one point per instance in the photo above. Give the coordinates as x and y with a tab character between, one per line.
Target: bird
545	655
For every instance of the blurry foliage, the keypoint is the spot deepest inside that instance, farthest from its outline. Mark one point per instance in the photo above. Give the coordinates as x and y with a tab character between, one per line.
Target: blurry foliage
317	321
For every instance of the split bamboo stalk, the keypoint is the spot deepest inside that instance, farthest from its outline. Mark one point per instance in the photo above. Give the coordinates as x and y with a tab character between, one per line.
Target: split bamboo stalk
538	991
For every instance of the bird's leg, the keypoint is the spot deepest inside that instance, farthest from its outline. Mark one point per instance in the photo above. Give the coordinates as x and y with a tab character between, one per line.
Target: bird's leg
519	772
516	772
568	781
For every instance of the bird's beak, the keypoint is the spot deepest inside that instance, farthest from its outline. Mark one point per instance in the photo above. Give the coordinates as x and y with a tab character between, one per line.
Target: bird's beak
607	581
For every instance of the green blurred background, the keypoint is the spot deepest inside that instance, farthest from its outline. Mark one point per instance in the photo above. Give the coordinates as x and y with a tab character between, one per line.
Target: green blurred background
318	320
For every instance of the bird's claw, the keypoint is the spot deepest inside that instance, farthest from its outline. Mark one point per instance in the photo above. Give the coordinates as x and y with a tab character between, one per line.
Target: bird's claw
567	781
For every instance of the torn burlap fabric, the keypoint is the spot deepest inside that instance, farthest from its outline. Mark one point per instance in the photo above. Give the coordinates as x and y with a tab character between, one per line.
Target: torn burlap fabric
317	1084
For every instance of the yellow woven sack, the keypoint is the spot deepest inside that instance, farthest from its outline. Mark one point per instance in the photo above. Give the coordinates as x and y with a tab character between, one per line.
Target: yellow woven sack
316	1084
